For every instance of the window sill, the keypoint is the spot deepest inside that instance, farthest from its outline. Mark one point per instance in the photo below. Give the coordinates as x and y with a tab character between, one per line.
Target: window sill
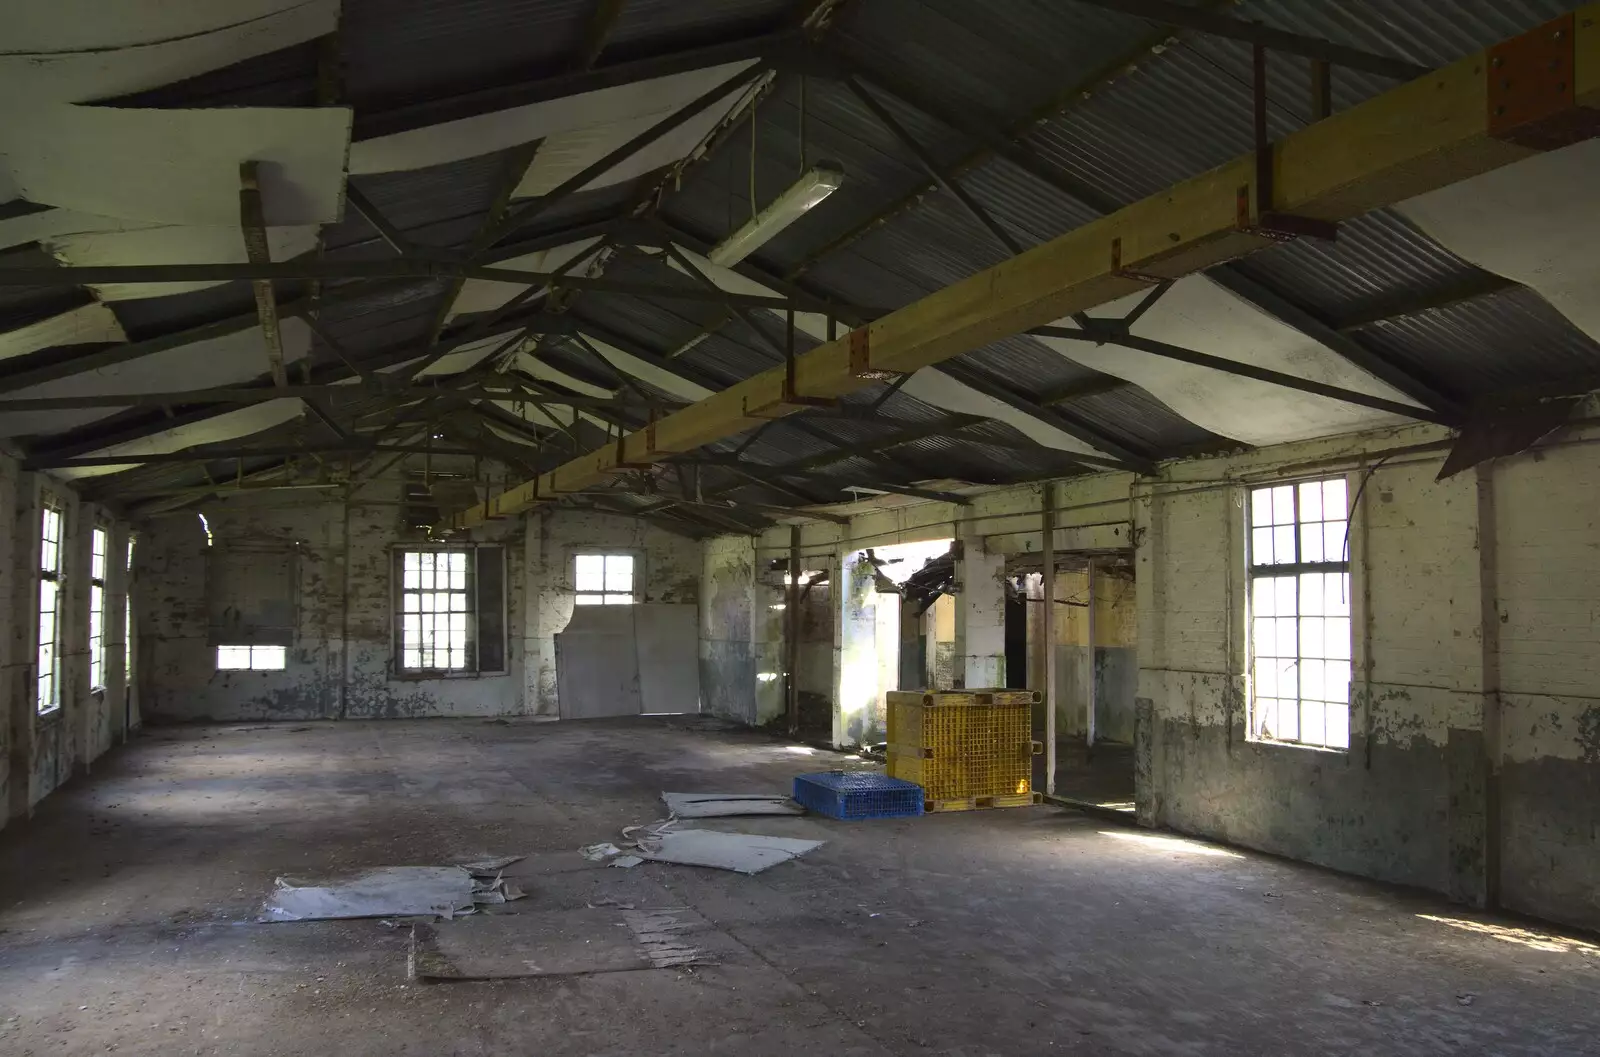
50	715
1325	750
440	674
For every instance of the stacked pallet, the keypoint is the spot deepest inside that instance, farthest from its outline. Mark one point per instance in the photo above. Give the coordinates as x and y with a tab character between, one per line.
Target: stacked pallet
967	749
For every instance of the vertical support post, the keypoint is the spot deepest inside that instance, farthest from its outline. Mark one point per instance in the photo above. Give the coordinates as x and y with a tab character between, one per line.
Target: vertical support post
1090	698
792	626
1048	634
1321	89
1258	119
252	222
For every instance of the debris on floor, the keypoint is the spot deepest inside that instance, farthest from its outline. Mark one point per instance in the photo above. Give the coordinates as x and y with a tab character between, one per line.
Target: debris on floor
626	862
599	852
390	891
720	805
746	853
595	939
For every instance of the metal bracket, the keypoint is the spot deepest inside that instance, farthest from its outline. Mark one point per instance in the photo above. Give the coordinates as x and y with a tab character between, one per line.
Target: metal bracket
1127	273
1266	221
789	398
1532	97
861	358
622	462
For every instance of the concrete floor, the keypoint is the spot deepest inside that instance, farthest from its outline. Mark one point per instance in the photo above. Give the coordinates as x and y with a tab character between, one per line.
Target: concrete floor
125	910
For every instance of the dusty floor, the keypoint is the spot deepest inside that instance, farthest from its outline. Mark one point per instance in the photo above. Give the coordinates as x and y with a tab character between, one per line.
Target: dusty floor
125	908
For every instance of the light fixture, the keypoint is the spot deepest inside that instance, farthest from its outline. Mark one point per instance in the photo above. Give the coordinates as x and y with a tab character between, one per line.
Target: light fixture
818	183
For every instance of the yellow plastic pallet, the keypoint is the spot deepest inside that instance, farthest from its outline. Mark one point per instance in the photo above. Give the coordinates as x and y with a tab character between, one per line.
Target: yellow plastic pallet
965	744
982	803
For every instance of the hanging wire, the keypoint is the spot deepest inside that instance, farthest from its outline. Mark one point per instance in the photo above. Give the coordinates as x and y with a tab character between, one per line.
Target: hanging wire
802	124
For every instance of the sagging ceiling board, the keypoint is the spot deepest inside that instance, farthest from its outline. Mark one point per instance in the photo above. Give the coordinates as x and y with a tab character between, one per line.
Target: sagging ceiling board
928	385
663	379
1535	222
559	158
1198	314
83	51
1423	135
51	223
474	136
89	25
91	324
230	359
177	166
171	244
230	425
483	295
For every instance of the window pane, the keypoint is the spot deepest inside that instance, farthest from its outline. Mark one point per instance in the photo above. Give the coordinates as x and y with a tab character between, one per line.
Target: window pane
1311	543
458	602
1311	635
458	572
1311	501
1334	543
411	659
1262	597
97	555
1337	680
1283	505
1333	499
591	572
619	600
1288	720
1336	638
1312	600
413	577
230	658
1338	727
410	602
47	556
268	657
1288	598
589	600
619	573
1283	544
1261	546
1265	681
1313	684
1336	594
1313	722
1260	507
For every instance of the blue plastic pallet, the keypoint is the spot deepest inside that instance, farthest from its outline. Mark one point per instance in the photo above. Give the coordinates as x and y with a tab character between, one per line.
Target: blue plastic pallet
857	795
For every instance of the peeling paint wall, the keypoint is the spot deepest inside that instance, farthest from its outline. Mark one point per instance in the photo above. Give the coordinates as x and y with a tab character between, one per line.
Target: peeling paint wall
730	646
39	753
340	664
1115	664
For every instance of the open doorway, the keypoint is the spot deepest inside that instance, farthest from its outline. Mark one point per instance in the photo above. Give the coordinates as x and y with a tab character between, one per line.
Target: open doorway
1097	671
887	632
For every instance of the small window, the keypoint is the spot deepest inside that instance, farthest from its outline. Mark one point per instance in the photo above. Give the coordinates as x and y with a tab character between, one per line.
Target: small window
127	620
604	579
1300	634
49	672
252	658
451	610
99	548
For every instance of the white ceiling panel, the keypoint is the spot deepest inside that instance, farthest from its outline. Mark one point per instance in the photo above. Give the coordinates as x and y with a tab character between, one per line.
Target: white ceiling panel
91	324
482	295
1535	222
171	244
474	136
178	166
59	52
230	425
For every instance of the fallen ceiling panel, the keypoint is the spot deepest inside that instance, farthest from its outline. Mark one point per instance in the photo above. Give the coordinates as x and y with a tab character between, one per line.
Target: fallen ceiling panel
1534	222
229	359
473	136
83	51
91	324
171	244
230	425
177	166
1196	313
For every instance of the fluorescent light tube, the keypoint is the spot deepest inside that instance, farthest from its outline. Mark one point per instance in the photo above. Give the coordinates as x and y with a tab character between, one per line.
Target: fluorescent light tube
788	207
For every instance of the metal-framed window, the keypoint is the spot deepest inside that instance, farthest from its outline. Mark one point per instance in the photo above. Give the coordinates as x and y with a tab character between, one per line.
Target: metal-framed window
252	658
51	524
99	546
450	610
603	579
1300	634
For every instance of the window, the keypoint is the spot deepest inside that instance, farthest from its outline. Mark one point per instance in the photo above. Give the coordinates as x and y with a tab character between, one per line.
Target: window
99	544
127	620
604	579
50	608
451	610
252	658
1300	613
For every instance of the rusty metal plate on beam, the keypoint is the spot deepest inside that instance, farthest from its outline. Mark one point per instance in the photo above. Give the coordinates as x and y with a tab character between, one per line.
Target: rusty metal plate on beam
1532	92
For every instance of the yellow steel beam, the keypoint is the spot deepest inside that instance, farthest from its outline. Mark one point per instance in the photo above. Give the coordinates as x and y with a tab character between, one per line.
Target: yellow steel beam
1487	111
